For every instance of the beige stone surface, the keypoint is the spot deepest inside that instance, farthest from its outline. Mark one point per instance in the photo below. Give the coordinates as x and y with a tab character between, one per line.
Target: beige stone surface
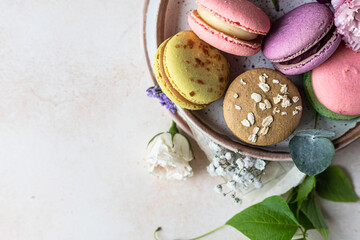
74	123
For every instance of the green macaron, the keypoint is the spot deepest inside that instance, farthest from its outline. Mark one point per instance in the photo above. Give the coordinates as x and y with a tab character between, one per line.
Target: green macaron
317	105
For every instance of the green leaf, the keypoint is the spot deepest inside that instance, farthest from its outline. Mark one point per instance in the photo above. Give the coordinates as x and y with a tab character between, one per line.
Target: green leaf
311	155
305	222
303	191
334	185
173	130
315	133
269	219
312	211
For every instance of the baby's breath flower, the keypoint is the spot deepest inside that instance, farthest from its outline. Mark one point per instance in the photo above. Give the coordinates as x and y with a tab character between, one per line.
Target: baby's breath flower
248	162
228	156
230	169
239	163
222	156
237	178
243	171
257	184
216	161
260	164
220	171
231	185
211	169
218	188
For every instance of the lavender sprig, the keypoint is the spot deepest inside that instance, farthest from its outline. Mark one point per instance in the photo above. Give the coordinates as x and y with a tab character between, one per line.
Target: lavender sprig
155	92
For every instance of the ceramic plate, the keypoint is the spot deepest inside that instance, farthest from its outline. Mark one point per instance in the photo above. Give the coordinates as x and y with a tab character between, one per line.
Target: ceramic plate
164	18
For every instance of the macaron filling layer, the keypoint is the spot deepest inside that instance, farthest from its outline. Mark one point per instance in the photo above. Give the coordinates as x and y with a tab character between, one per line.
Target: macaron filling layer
217	22
168	83
309	54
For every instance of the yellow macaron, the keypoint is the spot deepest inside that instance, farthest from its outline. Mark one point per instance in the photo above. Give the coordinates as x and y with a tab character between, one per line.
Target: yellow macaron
190	72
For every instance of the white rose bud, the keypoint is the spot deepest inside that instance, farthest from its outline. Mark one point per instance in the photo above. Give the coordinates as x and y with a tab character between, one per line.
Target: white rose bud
168	157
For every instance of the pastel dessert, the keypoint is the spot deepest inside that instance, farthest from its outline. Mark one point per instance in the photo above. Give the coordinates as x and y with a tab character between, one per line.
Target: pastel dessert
262	107
302	39
190	72
233	26
333	88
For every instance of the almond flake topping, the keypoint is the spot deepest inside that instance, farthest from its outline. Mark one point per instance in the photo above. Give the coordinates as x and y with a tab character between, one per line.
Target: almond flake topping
262	79
286	103
267	104
245	123
265	75
251	118
295	112
295	99
236	95
276	110
264	131
256	130
262	106
298	108
264	86
267	121
275	81
284	88
252	138
276	99
237	107
283	113
242	82
256	97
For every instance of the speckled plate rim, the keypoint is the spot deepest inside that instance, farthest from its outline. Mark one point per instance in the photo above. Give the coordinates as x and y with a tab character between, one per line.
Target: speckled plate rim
340	143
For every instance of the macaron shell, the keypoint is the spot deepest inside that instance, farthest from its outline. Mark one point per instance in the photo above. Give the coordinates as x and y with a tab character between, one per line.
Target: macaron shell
240	13
166	87
315	61
299	29
336	82
195	69
282	125
222	41
317	105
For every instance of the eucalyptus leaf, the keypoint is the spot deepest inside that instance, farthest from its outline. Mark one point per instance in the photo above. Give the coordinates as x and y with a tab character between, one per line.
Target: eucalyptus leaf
312	211
273	216
311	155
315	133
334	185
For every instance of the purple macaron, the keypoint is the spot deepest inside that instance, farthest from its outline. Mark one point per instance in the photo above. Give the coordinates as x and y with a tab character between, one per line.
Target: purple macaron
302	39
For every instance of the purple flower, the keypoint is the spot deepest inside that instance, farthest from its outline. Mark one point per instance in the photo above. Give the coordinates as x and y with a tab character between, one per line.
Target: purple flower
155	92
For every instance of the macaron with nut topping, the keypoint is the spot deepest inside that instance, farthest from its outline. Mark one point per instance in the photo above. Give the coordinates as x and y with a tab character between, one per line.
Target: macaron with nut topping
233	26
262	107
190	72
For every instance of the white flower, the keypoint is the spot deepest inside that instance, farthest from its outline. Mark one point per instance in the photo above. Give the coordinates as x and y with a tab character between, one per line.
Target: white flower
169	159
211	169
220	171
249	176
237	178
248	162
215	147
239	163
243	171
230	169
216	161
260	164
218	188
231	185
237	201
228	156
257	184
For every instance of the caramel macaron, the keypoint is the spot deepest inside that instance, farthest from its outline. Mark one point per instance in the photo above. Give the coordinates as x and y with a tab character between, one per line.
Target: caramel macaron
262	107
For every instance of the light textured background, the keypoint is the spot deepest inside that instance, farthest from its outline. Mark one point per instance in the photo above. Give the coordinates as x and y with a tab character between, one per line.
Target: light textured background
74	123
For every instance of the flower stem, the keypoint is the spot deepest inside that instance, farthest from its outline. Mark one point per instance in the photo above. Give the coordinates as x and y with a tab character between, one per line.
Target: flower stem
157	230
206	234
316	119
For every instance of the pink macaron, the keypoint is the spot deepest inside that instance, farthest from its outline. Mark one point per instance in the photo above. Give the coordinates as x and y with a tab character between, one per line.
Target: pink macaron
233	26
302	39
336	82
